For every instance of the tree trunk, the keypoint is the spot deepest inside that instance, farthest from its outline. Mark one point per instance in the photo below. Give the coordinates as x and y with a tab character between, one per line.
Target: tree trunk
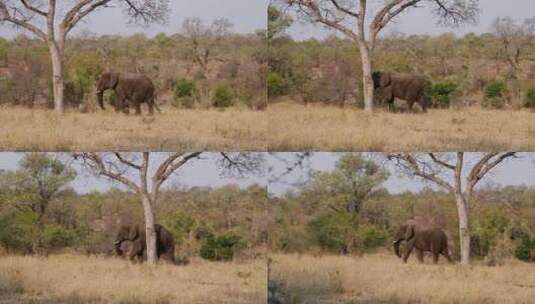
57	77
464	228
150	232
367	81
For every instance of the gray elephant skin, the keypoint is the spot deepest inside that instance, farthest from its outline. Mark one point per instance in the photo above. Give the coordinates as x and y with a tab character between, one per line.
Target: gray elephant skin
130	89
409	87
423	237
130	243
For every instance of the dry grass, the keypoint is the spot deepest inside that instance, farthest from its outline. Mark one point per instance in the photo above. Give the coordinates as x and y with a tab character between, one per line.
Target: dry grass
382	278
174	129
79	279
295	127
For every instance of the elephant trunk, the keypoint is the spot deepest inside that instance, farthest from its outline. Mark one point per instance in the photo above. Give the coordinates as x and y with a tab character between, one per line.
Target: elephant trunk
100	99
396	247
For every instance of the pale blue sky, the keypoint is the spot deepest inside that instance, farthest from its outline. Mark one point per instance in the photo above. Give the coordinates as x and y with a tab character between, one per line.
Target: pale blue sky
246	15
203	172
518	171
422	21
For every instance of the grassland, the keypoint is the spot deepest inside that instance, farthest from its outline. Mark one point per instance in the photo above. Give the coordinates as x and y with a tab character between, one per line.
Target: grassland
174	129
296	127
382	278
80	279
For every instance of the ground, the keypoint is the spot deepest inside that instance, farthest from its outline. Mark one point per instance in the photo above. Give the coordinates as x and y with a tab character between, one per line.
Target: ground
297	127
382	278
76	279
175	129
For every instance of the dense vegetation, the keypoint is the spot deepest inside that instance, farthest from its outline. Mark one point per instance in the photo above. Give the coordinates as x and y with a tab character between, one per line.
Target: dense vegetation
491	69
40	213
201	66
348	211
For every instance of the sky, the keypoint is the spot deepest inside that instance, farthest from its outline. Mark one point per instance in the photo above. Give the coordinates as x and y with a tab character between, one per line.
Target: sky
518	171
200	173
246	15
422	21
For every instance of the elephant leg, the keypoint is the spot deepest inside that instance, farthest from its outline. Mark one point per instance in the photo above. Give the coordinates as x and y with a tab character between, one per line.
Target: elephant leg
420	254
435	257
138	108
151	107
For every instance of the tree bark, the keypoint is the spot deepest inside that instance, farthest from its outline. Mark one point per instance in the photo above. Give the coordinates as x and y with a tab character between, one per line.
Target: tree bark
367	81
57	77
464	228
150	233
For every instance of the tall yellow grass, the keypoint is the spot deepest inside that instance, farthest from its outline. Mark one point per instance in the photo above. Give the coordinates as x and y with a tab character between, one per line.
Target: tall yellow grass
294	127
79	279
382	278
174	129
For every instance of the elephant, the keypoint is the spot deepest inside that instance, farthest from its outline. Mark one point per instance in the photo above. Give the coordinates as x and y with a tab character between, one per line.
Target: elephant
423	237
130	242
409	87
130	89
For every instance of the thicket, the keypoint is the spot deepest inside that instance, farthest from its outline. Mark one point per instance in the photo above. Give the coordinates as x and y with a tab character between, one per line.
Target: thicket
214	223
461	68
171	61
316	217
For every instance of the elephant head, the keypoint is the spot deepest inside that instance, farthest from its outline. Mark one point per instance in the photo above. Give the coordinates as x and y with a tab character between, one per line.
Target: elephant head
105	81
405	233
381	79
126	233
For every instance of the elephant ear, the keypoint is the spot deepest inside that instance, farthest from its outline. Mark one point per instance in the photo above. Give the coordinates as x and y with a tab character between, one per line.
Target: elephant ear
133	233
409	232
386	79
114	80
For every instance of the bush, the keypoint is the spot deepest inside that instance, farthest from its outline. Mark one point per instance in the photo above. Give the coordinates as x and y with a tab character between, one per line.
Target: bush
524	249
490	226
219	248
494	94
56	236
334	231
180	225
530	97
371	237
18	230
440	93
275	85
184	88
223	95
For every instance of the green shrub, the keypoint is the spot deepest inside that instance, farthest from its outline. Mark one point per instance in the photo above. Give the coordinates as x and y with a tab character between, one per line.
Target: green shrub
334	231
494	94
275	85
184	88
18	230
223	95
56	236
371	237
524	249
530	97
180	225
220	248
440	93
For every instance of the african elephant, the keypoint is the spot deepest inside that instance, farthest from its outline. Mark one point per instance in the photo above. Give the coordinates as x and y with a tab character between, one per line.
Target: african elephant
130	242
409	87
423	237
130	89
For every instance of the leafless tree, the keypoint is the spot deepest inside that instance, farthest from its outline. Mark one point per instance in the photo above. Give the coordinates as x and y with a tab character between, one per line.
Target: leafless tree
51	22
517	42
447	171
362	20
145	178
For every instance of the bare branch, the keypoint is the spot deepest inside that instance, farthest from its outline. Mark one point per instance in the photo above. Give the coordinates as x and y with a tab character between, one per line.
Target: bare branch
33	8
24	23
409	162
127	162
441	162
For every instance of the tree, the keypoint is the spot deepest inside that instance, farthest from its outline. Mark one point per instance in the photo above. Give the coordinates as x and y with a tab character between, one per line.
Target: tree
350	18
42	19
347	187
447	172
516	40
38	180
203	39
123	168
